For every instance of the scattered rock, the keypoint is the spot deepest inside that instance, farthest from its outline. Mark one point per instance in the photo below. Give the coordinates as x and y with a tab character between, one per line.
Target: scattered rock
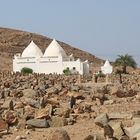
52	90
57	121
18	138
129	93
75	88
38	123
101	120
42	113
133	132
117	129
124	138
30	93
40	101
52	101
76	95
108	102
3	125
60	135
8	104
29	111
65	112
89	137
72	102
136	120
11	117
32	102
21	124
108	131
119	116
19	105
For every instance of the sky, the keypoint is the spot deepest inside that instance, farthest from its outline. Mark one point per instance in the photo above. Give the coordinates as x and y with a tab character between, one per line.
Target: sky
105	28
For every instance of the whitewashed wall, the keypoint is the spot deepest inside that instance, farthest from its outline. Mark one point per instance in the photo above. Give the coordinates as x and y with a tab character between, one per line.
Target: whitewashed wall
47	66
70	64
86	68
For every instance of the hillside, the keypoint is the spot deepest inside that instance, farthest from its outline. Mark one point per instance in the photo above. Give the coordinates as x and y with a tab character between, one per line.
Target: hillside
14	41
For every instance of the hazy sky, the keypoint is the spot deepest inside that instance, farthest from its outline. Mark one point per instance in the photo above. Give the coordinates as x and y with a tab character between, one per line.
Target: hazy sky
104	28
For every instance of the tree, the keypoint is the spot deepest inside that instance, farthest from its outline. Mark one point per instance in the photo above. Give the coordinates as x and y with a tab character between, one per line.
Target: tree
119	72
125	61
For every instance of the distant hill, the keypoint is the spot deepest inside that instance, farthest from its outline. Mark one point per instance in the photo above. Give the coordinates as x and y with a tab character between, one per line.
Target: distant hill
14	41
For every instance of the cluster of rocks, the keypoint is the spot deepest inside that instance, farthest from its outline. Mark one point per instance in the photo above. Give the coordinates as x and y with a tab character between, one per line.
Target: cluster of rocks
43	101
115	127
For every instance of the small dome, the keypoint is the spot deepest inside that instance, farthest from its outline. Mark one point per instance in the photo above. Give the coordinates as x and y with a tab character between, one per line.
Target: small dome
107	68
32	50
107	63
54	49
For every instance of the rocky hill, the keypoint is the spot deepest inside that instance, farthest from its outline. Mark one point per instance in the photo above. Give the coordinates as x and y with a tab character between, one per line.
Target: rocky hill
14	41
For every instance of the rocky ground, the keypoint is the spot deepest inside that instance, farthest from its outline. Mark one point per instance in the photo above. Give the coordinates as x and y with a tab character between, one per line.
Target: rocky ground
60	107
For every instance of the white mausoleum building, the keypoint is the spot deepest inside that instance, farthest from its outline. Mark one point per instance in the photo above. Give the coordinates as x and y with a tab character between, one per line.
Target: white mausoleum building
54	60
107	68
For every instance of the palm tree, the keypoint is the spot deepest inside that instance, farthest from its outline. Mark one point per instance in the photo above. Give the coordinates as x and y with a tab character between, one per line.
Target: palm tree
124	61
119	72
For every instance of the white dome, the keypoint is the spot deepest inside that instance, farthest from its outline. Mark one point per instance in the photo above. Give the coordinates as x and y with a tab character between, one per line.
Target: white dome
107	64
107	68
32	50
54	49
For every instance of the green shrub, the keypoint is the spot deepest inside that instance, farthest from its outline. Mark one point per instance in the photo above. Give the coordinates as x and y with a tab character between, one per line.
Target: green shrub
100	74
26	70
67	71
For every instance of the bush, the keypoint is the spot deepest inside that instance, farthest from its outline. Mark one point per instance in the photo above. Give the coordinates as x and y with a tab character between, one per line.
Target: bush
67	71
26	70
100	74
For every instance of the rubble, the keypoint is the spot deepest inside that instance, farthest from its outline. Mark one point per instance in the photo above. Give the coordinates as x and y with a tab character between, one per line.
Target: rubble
55	101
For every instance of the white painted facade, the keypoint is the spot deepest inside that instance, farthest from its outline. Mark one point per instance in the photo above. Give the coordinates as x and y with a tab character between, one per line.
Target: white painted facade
107	67
54	60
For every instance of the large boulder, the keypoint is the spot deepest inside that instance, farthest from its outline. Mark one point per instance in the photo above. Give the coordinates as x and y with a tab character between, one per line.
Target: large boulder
101	120
59	87
57	121
31	102
108	131
52	90
117	129
133	132
119	115
122	94
8	104
30	93
62	112
75	88
38	123
11	117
